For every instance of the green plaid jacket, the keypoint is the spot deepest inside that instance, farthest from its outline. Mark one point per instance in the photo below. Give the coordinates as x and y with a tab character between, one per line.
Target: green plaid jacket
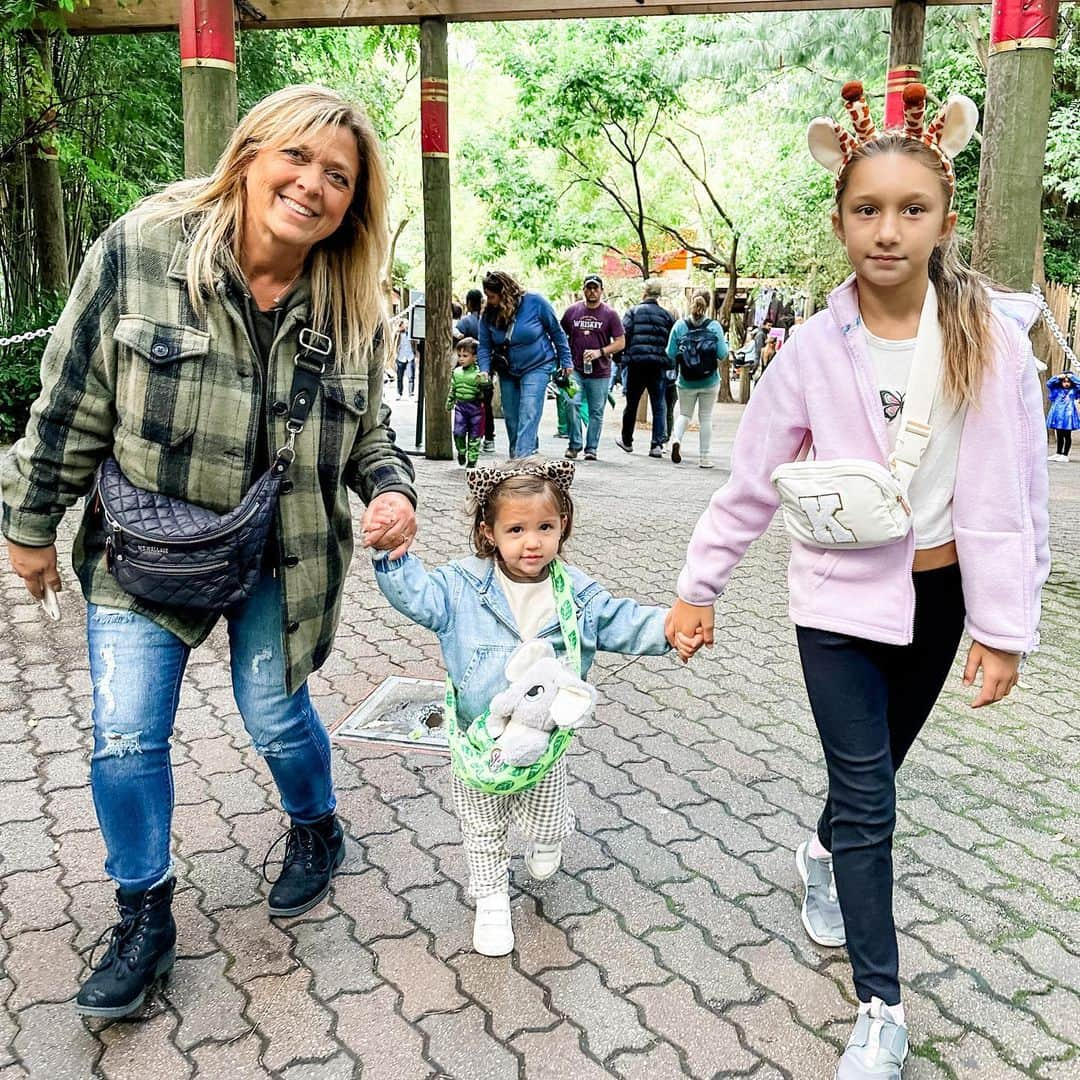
131	370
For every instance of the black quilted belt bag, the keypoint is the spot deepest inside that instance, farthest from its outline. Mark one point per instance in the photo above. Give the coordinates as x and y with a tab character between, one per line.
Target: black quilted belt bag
171	552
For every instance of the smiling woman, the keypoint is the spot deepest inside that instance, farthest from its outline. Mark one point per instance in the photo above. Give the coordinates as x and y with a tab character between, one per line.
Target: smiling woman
225	334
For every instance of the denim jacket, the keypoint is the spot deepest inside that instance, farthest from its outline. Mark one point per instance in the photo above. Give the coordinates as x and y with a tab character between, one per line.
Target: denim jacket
463	604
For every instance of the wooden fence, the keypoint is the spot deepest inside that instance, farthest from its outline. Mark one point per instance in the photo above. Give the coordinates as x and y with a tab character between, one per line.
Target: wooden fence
1064	302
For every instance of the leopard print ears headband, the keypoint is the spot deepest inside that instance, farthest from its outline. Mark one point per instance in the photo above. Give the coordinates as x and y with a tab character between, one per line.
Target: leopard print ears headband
833	147
484	479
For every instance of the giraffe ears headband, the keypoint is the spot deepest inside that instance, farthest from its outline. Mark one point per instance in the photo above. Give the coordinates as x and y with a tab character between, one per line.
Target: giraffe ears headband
484	479
833	146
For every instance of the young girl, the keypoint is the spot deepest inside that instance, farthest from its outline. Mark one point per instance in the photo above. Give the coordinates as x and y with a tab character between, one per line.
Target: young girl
482	609
878	627
699	392
1063	418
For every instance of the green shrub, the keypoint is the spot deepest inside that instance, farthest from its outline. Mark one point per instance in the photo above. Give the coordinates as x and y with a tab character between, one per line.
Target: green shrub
20	378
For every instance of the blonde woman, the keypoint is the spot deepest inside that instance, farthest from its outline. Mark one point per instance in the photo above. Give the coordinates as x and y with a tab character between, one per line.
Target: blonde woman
175	355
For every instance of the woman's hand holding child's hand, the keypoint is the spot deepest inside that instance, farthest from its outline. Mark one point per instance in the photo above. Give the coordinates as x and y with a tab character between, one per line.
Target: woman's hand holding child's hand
1000	673
389	524
688	627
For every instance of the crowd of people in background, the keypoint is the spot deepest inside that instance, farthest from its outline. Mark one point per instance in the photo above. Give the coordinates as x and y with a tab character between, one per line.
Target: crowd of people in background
510	337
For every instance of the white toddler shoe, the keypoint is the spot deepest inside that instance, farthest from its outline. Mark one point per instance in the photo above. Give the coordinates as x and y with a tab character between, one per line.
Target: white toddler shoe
493	933
543	860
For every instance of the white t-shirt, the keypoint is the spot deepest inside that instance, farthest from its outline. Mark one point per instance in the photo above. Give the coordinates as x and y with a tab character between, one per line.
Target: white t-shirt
532	603
931	492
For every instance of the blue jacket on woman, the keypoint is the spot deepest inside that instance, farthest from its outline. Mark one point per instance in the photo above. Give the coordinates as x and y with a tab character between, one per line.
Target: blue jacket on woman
463	604
536	340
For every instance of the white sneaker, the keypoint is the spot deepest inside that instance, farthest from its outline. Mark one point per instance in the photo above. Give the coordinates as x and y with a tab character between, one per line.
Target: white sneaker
1054	457
493	933
543	860
877	1048
1064	459
706	463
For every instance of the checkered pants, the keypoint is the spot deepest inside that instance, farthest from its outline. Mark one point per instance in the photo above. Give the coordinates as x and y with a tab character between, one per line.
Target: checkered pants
542	813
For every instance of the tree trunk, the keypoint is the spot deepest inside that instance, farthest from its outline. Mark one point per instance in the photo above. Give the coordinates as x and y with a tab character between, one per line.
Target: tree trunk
435	151
1014	141
44	191
725	318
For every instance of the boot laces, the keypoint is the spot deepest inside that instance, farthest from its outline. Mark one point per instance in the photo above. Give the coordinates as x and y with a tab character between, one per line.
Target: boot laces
300	846
124	935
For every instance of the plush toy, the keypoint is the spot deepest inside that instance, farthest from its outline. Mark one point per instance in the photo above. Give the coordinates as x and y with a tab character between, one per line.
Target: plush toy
542	696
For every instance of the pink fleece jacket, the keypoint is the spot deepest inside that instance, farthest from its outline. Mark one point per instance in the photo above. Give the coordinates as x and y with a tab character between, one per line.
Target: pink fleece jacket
822	382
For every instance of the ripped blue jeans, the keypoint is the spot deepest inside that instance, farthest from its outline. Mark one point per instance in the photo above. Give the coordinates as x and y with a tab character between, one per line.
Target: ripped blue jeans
137	667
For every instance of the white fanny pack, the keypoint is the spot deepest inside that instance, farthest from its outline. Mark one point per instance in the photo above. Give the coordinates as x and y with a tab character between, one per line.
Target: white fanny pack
855	503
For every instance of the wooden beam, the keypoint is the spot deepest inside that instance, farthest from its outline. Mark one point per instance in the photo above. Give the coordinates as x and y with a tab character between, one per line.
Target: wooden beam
125	16
905	56
207	81
435	164
1023	36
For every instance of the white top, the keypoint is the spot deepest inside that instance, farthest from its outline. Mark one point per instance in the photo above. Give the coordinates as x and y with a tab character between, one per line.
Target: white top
532	603
931	492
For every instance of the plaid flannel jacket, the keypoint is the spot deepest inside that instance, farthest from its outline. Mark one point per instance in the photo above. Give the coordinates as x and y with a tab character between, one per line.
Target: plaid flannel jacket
131	370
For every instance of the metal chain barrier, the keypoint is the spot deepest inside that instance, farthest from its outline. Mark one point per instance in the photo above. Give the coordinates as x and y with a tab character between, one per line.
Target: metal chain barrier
1055	330
29	335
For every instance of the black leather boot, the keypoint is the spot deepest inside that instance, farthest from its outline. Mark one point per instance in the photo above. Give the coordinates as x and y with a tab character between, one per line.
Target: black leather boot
312	854
141	950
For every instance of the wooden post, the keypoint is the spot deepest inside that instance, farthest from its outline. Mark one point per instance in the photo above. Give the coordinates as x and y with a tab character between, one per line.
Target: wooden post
905	56
435	152
208	81
43	168
1023	35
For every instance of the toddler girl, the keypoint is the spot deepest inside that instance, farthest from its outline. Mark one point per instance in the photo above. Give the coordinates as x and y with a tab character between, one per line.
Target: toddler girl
483	608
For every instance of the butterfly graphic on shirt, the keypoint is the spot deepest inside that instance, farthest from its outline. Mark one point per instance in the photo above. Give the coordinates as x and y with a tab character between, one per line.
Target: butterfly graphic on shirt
892	404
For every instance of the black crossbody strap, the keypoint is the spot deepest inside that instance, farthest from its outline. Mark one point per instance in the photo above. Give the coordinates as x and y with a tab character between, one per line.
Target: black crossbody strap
313	358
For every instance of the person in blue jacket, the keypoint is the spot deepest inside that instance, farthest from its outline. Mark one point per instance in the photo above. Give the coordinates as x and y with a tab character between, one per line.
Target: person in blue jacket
521	342
1064	417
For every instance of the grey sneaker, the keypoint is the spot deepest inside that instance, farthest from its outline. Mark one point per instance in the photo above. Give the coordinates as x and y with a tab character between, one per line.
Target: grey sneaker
877	1047
821	913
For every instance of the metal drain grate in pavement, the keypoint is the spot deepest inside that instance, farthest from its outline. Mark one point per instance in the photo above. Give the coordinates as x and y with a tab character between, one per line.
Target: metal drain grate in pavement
400	712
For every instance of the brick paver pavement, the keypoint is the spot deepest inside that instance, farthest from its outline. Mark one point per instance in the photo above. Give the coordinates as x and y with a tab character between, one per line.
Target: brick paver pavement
671	946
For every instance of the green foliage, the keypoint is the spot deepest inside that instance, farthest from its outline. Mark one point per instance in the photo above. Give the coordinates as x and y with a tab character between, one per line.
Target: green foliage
19	364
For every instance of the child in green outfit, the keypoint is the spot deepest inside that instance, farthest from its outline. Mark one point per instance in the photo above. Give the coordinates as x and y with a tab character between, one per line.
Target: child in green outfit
466	400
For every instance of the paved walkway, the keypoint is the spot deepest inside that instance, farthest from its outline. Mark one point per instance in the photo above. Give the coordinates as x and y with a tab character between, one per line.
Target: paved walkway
672	945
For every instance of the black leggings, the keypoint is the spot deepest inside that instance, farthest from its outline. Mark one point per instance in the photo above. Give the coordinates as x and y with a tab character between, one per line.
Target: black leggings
1064	441
869	702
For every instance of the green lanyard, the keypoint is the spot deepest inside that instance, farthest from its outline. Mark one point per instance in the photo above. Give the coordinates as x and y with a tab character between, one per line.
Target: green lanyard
474	753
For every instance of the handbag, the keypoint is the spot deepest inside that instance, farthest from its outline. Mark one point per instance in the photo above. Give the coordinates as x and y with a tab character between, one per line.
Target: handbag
855	503
474	755
171	552
500	352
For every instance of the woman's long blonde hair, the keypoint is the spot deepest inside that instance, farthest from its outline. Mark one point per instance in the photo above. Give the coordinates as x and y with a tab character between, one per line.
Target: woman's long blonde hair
346	268
963	300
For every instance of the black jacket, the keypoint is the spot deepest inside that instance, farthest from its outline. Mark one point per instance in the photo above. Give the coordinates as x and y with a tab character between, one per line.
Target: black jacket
648	327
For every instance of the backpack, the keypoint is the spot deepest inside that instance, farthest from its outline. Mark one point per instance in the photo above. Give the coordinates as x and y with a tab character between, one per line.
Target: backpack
698	352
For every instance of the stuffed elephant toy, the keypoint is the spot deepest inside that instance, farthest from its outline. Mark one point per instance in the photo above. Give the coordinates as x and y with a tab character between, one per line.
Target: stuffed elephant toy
542	696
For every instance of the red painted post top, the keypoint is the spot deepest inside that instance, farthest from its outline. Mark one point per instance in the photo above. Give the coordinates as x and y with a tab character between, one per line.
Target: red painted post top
898	78
207	34
1023	24
435	118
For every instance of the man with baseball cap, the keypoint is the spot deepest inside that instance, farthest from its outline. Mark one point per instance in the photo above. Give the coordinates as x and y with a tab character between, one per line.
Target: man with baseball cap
595	332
